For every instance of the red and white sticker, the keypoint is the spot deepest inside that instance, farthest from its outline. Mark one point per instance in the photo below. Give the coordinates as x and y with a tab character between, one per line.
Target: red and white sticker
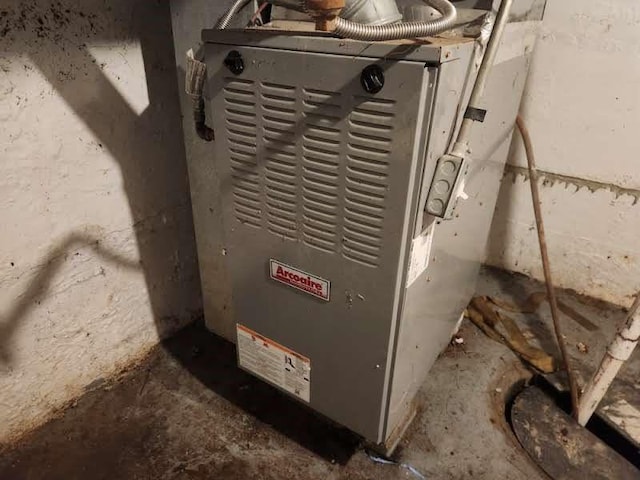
311	284
272	362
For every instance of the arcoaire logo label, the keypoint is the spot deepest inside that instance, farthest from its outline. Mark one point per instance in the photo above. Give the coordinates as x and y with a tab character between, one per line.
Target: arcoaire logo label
316	286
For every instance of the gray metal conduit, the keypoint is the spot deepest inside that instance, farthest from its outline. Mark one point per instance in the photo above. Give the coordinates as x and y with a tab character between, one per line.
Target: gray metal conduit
461	144
233	10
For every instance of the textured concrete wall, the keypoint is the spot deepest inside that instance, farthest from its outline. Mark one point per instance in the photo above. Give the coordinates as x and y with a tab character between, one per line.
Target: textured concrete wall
97	253
581	105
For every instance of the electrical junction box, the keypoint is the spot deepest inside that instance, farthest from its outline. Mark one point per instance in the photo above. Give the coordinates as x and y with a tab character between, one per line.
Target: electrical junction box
345	290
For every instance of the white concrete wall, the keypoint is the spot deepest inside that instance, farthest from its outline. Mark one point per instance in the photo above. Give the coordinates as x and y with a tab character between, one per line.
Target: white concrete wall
97	255
582	106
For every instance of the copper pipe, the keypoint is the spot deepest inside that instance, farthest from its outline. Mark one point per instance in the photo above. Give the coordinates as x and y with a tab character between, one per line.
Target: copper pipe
325	13
551	294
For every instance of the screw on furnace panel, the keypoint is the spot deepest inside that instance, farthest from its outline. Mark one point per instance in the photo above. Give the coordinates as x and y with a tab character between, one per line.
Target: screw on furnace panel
372	79
234	62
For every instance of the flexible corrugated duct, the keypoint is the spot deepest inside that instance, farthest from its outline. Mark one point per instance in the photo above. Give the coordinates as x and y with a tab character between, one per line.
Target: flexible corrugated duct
233	10
397	31
370	10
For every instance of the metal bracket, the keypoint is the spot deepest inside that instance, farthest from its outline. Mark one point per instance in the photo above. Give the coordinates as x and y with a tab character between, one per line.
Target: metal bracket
450	172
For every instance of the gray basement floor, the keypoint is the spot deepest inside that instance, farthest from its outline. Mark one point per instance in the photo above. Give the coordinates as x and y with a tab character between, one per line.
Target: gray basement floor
188	413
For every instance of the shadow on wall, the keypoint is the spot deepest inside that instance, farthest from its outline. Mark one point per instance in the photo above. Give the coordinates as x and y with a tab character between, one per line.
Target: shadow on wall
148	147
38	286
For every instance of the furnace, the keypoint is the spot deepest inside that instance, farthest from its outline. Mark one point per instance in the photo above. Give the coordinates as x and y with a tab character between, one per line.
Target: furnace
354	223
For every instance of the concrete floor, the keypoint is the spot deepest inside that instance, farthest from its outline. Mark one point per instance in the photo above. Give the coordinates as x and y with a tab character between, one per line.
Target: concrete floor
188	413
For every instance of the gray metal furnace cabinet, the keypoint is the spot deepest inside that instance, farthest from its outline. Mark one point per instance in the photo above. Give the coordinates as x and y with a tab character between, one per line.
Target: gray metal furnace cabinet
344	290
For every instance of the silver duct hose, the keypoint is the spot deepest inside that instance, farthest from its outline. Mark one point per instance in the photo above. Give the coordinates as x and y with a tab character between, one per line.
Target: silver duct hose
397	31
373	33
226	18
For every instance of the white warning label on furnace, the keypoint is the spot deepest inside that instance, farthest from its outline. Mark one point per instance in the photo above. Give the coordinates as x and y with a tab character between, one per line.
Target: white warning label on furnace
273	362
420	254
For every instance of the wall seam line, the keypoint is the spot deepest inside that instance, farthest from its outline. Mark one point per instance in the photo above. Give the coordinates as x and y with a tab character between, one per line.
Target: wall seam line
579	183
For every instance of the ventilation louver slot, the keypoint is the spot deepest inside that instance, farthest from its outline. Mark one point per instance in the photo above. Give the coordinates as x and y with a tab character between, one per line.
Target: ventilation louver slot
241	131
311	165
369	149
321	143
280	171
